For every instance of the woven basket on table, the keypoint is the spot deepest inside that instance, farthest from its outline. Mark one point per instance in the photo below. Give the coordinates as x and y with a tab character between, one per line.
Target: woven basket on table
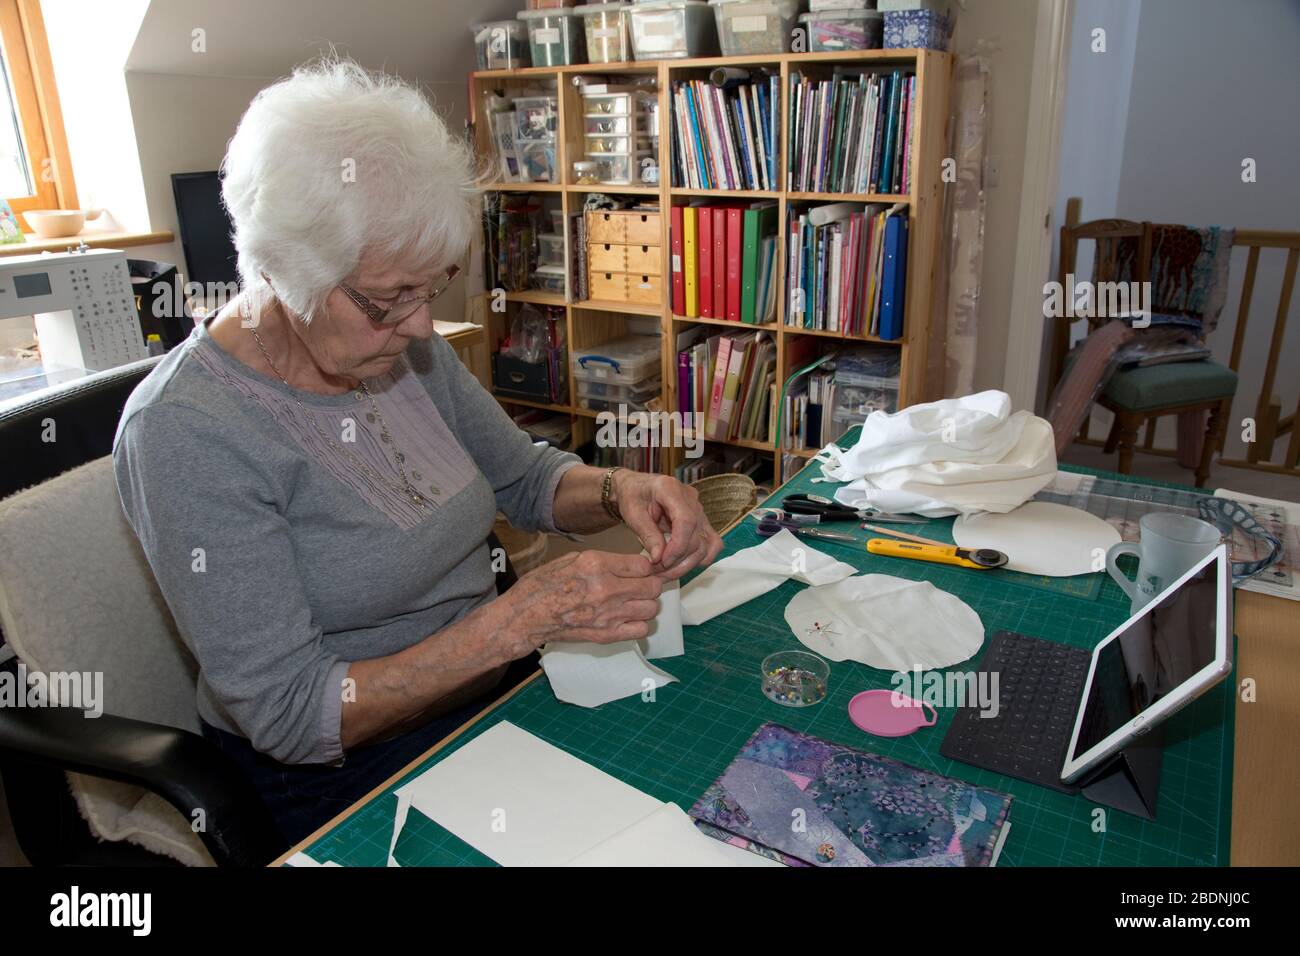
725	498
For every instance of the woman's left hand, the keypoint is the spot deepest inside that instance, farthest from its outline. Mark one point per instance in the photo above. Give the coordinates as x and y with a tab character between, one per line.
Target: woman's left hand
666	515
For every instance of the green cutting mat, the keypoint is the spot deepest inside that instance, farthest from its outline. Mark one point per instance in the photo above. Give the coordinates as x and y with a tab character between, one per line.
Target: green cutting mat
674	747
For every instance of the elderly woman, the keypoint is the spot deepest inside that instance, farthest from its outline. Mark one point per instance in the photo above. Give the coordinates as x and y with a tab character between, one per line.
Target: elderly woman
313	474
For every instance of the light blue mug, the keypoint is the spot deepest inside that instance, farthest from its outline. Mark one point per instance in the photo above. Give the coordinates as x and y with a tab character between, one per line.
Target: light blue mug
1169	545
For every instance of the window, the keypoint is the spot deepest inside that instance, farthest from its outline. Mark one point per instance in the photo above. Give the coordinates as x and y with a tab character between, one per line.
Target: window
35	168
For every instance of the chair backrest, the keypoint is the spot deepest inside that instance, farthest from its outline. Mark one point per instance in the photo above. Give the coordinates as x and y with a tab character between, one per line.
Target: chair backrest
77	596
1110	262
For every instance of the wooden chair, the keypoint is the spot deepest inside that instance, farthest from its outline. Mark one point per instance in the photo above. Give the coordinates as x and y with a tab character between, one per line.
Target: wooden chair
1142	395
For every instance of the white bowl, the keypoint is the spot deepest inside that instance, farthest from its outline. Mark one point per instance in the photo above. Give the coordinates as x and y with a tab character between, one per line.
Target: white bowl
55	223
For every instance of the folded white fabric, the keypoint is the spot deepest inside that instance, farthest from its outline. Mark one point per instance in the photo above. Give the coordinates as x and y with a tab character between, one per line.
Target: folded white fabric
754	571
593	674
886	622
956	456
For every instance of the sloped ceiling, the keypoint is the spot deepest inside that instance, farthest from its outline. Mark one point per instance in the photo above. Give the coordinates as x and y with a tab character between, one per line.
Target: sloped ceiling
425	40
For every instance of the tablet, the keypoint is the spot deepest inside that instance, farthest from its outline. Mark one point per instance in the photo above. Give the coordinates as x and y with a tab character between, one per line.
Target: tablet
1154	664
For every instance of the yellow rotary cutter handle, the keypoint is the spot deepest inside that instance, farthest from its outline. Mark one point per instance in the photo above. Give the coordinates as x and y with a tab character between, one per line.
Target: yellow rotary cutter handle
927	549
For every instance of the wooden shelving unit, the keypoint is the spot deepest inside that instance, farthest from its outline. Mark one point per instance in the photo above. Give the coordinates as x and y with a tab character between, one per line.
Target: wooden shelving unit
591	323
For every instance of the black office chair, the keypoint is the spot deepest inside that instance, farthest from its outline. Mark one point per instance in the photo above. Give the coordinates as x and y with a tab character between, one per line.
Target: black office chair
38	746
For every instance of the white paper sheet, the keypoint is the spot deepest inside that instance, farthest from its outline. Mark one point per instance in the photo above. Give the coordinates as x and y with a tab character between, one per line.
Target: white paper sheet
754	571
523	802
666	837
885	622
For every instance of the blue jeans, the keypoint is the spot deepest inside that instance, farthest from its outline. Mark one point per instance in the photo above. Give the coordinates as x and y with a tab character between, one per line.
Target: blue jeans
303	797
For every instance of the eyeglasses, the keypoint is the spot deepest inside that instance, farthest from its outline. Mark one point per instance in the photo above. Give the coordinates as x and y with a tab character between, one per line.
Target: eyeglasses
403	308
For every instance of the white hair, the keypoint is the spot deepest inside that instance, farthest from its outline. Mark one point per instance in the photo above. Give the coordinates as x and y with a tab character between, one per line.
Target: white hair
334	162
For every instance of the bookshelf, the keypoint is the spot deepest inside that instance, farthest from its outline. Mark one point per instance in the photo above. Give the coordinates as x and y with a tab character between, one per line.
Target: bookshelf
591	323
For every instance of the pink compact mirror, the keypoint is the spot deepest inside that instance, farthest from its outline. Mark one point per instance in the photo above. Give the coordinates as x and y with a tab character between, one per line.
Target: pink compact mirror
888	714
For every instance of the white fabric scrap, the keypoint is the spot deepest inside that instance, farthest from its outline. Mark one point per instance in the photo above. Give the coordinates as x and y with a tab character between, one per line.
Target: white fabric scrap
955	456
593	674
754	571
886	622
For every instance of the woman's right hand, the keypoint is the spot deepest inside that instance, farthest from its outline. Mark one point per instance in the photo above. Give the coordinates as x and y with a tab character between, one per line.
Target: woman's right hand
591	596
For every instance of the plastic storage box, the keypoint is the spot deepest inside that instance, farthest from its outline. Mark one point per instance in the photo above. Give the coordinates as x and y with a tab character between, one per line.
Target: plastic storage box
624	362
747	27
673	29
549	278
607	27
554	36
550	250
500	44
835	30
598	396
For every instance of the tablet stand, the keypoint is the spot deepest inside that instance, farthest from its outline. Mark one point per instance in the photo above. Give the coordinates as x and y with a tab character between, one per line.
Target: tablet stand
1130	781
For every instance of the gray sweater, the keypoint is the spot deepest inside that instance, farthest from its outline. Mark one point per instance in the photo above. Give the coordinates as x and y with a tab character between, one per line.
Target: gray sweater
283	540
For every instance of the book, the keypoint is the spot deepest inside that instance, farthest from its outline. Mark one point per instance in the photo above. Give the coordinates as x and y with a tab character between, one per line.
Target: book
724	137
692	308
859	808
676	252
704	266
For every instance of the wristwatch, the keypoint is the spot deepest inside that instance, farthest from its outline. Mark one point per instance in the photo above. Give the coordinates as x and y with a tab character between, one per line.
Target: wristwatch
605	488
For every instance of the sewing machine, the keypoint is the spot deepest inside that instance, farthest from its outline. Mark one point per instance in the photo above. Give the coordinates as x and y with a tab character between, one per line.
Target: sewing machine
83	304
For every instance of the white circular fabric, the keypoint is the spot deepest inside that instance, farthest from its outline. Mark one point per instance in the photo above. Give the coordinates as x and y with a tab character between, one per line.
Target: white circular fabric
885	622
1041	537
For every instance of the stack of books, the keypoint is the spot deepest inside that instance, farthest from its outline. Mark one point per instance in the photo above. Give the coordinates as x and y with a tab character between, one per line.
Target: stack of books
726	136
724	262
847	269
851	133
728	382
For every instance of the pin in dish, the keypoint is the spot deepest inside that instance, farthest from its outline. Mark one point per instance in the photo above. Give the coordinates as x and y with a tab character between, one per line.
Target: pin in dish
889	714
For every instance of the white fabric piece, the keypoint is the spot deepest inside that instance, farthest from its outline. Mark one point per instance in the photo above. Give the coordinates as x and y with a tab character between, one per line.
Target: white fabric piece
523	802
754	571
593	674
886	622
956	456
1041	537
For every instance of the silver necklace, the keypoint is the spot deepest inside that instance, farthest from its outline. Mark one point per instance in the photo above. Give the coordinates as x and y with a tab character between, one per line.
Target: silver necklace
385	436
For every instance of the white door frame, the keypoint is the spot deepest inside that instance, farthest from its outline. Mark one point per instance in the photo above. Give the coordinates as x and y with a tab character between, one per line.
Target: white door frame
1026	325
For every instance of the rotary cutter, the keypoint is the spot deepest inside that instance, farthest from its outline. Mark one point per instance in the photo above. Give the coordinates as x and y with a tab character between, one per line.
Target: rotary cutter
927	549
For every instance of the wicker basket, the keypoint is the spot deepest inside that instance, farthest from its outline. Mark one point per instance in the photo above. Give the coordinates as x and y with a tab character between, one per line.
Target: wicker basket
726	498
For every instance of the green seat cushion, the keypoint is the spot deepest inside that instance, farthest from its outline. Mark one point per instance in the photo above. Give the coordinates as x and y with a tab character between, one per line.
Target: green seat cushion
1175	383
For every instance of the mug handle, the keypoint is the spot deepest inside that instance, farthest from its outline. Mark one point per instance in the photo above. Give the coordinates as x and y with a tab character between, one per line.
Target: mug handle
1112	565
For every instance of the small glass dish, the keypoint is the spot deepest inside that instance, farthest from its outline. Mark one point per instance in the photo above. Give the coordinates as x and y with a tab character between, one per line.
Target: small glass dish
795	678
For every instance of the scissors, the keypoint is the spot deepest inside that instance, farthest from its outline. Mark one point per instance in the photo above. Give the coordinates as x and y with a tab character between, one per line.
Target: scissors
770	524
827	510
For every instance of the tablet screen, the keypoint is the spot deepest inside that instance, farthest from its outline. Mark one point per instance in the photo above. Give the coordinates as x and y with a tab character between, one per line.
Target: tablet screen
1160	650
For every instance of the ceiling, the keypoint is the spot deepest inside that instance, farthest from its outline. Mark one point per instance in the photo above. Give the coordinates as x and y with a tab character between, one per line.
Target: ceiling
428	40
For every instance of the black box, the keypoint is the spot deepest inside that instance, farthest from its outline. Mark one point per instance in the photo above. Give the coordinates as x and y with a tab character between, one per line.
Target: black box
515	378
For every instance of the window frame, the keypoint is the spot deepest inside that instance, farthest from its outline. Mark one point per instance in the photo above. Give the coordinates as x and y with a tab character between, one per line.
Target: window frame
31	75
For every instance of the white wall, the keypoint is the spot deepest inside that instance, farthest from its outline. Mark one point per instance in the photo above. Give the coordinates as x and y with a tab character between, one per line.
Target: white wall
1003	32
89	44
1210	85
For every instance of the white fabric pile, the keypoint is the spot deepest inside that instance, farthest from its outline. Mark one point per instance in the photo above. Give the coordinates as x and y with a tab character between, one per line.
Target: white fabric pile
956	456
